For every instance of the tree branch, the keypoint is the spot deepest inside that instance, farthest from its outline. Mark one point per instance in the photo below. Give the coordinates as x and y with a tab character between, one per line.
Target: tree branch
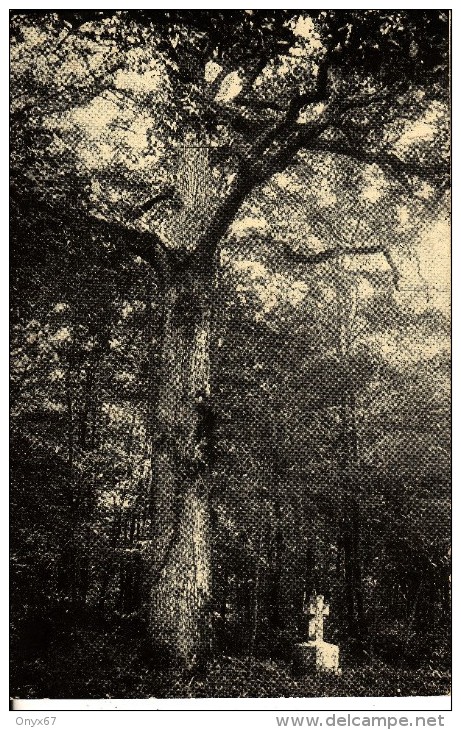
287	126
290	136
389	162
146	244
283	127
168	194
334	253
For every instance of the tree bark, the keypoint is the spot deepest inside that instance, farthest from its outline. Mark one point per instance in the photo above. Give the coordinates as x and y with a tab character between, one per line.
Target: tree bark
181	576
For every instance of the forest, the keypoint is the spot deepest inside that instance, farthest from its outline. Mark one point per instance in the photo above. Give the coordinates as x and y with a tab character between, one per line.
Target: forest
230	351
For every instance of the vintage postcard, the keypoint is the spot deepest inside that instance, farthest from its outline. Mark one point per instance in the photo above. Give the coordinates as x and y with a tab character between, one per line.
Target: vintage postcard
230	338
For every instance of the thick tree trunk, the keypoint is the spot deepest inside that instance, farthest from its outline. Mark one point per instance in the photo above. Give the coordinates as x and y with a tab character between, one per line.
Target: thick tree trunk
182	449
180	593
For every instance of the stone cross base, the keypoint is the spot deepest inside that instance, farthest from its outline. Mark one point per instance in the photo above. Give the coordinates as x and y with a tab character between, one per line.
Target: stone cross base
315	656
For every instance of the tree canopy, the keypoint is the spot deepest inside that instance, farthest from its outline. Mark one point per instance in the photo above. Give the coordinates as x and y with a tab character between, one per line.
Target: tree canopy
103	103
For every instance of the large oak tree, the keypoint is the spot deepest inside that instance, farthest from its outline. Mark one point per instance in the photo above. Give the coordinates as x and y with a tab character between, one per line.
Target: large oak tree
150	130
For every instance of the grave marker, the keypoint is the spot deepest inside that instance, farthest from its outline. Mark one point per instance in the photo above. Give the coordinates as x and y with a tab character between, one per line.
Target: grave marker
316	654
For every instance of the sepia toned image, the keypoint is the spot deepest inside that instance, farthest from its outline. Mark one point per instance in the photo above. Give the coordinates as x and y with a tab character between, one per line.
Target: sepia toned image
230	354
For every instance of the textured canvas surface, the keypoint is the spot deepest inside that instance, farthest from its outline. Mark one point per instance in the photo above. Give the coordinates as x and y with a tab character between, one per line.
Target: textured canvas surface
230	334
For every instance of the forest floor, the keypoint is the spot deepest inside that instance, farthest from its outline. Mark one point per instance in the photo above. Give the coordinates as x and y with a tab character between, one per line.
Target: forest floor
87	665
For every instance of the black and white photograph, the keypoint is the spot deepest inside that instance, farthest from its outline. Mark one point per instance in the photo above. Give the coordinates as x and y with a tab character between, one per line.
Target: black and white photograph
230	335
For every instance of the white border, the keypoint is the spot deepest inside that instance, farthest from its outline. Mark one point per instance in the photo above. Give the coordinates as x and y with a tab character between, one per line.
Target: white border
209	712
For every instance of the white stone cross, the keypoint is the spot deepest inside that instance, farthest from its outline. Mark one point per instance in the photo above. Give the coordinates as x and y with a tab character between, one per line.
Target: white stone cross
317	609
